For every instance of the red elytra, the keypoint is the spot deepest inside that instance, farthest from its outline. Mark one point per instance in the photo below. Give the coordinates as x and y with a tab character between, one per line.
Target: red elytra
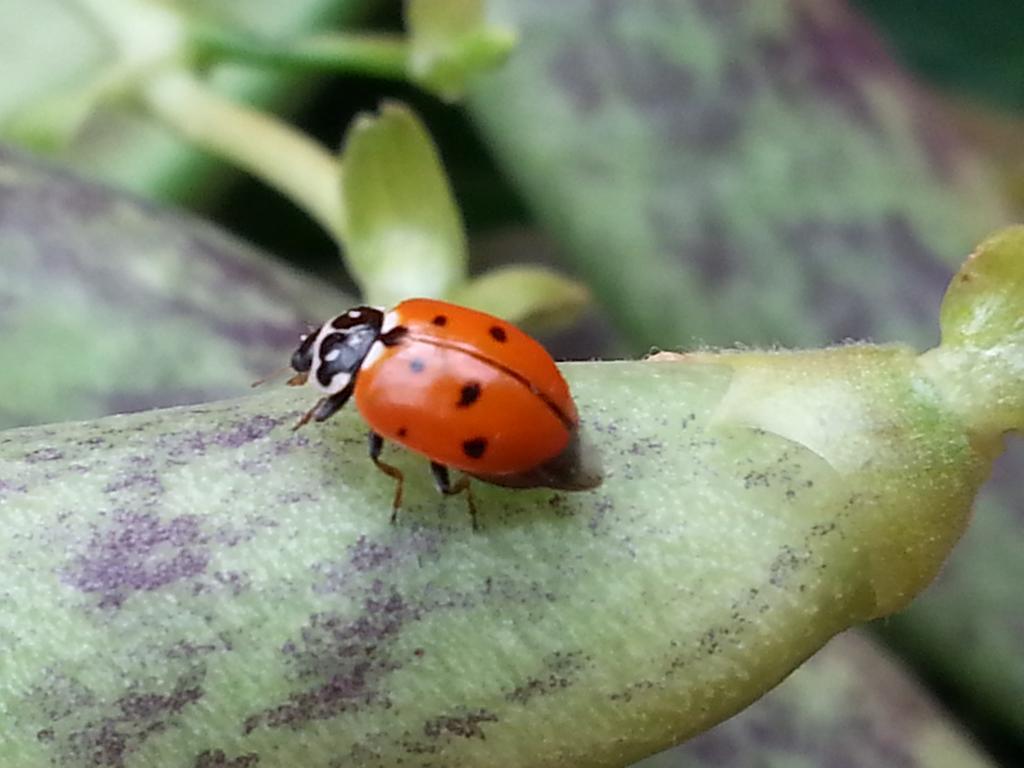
463	388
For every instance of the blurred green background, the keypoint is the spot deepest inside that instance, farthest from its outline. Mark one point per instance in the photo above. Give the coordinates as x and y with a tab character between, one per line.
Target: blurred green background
716	172
954	50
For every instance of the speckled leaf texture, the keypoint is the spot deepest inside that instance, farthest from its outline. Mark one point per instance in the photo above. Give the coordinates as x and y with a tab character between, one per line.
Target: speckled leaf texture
729	171
205	586
108	304
152	551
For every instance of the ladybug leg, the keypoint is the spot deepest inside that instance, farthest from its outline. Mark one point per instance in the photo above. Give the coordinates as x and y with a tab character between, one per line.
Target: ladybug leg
376	446
307	416
326	406
444	485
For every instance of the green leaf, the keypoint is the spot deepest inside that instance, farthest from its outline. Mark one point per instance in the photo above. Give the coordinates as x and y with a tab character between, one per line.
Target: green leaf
109	305
49	31
53	121
235	588
766	173
694	160
451	42
849	705
536	297
44	203
981	360
405	235
984	306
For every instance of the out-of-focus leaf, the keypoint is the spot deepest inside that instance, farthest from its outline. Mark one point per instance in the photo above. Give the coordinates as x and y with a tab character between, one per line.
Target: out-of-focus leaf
47	46
762	172
236	589
405	235
971	48
770	157
536	297
451	41
50	123
287	159
108	305
849	706
997	134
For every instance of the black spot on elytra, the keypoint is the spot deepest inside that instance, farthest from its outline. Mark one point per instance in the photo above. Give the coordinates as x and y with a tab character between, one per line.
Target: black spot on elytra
417	365
402	431
475	447
440	320
469	394
498	333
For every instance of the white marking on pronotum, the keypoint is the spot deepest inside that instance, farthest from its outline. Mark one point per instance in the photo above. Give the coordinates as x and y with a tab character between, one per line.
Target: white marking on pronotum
333	355
338	382
314	351
390	322
376	350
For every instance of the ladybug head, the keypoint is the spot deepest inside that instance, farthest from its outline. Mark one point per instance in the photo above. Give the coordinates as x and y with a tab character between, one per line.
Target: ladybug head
332	354
302	358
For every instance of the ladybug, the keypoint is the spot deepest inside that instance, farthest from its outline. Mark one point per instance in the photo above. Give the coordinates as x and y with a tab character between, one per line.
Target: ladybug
463	388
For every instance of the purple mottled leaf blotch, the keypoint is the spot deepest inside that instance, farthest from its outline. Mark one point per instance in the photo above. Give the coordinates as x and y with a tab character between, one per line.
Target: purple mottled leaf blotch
346	659
140	552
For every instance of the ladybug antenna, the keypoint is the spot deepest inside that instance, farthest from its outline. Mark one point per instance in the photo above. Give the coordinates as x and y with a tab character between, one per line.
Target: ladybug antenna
294	381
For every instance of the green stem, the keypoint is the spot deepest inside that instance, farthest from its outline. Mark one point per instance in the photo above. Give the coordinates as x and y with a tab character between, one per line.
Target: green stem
279	155
150	40
375	55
